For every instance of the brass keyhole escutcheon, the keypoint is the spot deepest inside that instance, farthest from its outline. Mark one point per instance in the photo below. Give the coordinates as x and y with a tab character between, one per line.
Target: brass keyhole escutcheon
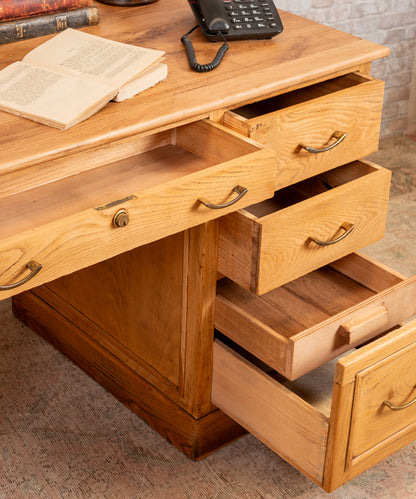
121	218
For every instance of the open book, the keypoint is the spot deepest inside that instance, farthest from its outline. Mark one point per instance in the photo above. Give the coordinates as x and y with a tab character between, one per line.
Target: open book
74	74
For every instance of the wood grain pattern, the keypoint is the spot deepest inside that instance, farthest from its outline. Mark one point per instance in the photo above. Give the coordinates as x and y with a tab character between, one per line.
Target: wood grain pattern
366	270
360	432
356	330
382	370
324	339
278	65
283	421
59	226
123	297
25	179
296	327
152	346
284	250
350	104
392	379
197	345
118	303
339	426
195	437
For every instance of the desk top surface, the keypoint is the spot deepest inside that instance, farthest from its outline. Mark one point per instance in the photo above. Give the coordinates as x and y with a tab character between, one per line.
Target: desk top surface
251	70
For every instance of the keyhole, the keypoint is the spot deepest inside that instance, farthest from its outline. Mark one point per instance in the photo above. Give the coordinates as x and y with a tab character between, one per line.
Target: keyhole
121	218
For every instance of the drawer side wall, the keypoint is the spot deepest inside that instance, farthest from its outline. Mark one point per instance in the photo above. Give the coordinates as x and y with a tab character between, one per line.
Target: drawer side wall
280	419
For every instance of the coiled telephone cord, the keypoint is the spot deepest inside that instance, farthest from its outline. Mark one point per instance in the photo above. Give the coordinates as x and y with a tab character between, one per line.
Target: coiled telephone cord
203	68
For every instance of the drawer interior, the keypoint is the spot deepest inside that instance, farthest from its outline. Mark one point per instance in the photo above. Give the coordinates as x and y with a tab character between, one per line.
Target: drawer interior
175	180
314	387
318	422
311	187
301	304
171	155
283	421
310	320
299	96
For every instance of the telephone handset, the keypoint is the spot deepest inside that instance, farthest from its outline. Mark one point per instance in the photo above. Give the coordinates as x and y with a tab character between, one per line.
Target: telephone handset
231	20
212	14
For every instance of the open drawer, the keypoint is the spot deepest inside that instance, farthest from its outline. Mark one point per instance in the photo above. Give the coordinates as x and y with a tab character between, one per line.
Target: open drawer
329	426
316	128
304	226
303	324
186	176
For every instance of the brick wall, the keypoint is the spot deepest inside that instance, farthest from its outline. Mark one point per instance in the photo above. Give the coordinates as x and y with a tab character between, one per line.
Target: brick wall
389	22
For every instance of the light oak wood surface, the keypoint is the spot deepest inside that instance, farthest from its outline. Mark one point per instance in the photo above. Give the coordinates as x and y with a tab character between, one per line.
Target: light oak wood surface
68	225
303	53
272	242
302	324
348	106
375	366
360	430
392	380
194	436
283	421
139	316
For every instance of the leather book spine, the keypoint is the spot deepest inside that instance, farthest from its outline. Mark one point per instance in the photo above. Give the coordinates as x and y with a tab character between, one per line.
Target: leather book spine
34	27
17	9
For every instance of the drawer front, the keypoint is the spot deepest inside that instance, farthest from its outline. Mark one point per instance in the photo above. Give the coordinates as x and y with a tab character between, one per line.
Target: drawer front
263	252
156	208
303	324
316	128
370	379
289	418
385	401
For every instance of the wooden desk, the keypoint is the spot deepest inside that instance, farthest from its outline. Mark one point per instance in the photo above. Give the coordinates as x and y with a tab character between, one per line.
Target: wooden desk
135	305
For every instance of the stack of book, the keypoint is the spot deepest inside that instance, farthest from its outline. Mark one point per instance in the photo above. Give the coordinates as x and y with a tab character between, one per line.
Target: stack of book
21	19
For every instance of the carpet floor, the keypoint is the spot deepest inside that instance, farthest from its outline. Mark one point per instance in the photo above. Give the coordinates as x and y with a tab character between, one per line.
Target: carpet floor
63	436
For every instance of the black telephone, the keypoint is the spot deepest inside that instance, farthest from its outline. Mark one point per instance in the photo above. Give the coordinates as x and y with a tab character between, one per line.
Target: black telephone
231	20
237	19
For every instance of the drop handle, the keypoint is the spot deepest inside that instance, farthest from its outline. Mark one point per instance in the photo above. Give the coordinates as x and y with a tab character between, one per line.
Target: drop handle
395	407
241	191
34	268
339	136
346	227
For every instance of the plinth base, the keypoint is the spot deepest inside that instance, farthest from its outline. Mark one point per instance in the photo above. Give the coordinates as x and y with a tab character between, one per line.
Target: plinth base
196	438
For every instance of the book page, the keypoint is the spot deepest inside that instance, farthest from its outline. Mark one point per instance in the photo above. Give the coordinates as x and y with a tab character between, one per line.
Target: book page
48	97
82	54
147	79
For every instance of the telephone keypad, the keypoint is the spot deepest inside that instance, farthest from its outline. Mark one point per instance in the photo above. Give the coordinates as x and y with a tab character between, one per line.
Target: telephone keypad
237	19
252	16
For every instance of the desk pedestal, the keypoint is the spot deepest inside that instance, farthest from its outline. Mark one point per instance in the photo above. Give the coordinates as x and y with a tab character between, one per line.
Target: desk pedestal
141	324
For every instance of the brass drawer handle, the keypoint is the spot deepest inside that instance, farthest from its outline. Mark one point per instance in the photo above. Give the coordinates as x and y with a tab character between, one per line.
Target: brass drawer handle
394	407
345	226
34	269
340	136
241	191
